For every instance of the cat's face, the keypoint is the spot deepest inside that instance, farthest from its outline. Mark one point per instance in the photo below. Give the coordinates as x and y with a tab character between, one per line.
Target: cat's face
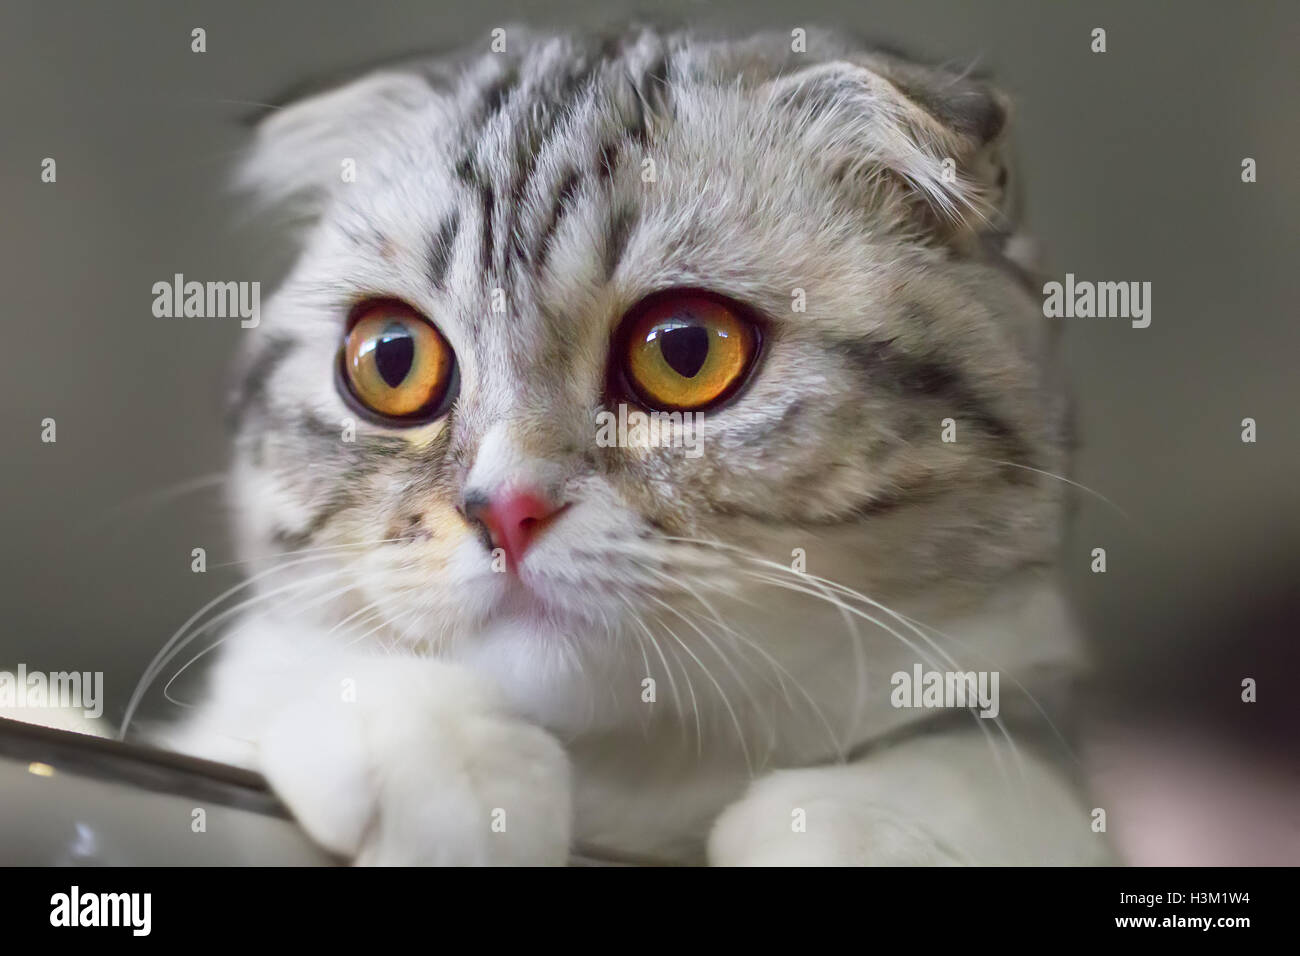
524	210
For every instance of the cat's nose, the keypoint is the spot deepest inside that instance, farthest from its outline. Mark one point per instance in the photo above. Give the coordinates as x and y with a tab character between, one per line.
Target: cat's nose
513	518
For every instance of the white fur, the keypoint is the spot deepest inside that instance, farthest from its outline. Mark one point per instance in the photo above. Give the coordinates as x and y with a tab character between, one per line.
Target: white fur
388	760
928	802
413	768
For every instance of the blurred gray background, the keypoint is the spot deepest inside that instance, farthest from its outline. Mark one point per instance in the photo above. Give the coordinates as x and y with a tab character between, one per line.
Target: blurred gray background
1131	162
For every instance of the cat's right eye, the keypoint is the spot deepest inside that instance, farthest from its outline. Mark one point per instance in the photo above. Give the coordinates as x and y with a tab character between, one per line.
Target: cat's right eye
396	366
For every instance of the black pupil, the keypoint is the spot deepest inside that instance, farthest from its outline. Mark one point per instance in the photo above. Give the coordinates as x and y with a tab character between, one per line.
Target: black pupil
394	355
685	348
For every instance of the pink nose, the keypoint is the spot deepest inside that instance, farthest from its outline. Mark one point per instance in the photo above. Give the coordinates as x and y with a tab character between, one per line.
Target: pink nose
514	519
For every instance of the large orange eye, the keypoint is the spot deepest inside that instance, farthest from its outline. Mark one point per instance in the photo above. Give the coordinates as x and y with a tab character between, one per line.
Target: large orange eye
396	365
686	350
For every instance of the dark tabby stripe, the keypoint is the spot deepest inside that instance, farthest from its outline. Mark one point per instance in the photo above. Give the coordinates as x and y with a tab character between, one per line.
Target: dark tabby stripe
492	100
356	462
509	100
620	230
440	252
533	142
515	92
563	198
652	92
606	161
295	539
882	361
487	202
251	390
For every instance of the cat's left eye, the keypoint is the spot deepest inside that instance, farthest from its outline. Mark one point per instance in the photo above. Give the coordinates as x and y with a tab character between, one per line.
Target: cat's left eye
685	350
396	366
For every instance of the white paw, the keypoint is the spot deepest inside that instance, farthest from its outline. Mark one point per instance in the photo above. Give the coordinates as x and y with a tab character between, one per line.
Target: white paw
414	762
802	818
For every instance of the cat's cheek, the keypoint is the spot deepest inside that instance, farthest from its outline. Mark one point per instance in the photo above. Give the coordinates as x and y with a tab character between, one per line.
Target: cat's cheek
448	564
469	581
445	525
441	539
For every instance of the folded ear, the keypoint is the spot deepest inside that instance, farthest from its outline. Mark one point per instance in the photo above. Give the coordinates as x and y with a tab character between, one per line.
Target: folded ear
917	142
300	151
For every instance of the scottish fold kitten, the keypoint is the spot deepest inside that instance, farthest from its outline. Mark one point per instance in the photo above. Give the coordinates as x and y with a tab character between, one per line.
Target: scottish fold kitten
486	632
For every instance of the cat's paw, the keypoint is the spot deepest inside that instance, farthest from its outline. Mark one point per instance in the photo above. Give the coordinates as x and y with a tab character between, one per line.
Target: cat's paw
414	762
800	818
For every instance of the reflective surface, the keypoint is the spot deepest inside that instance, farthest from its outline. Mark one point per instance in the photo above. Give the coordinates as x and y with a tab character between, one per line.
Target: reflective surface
75	800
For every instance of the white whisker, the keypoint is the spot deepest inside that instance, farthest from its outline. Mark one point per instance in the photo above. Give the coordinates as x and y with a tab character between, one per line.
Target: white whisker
1038	471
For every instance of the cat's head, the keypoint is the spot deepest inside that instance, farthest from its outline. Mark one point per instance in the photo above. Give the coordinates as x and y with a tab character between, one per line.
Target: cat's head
806	248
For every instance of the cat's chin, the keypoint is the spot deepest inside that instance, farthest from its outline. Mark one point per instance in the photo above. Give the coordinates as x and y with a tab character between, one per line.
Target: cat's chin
542	662
520	604
539	600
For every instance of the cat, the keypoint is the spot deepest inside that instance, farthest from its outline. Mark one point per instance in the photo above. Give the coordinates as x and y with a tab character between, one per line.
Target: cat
479	635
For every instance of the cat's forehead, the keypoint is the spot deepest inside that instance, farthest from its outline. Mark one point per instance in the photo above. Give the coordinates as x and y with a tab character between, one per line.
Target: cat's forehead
553	177
529	200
